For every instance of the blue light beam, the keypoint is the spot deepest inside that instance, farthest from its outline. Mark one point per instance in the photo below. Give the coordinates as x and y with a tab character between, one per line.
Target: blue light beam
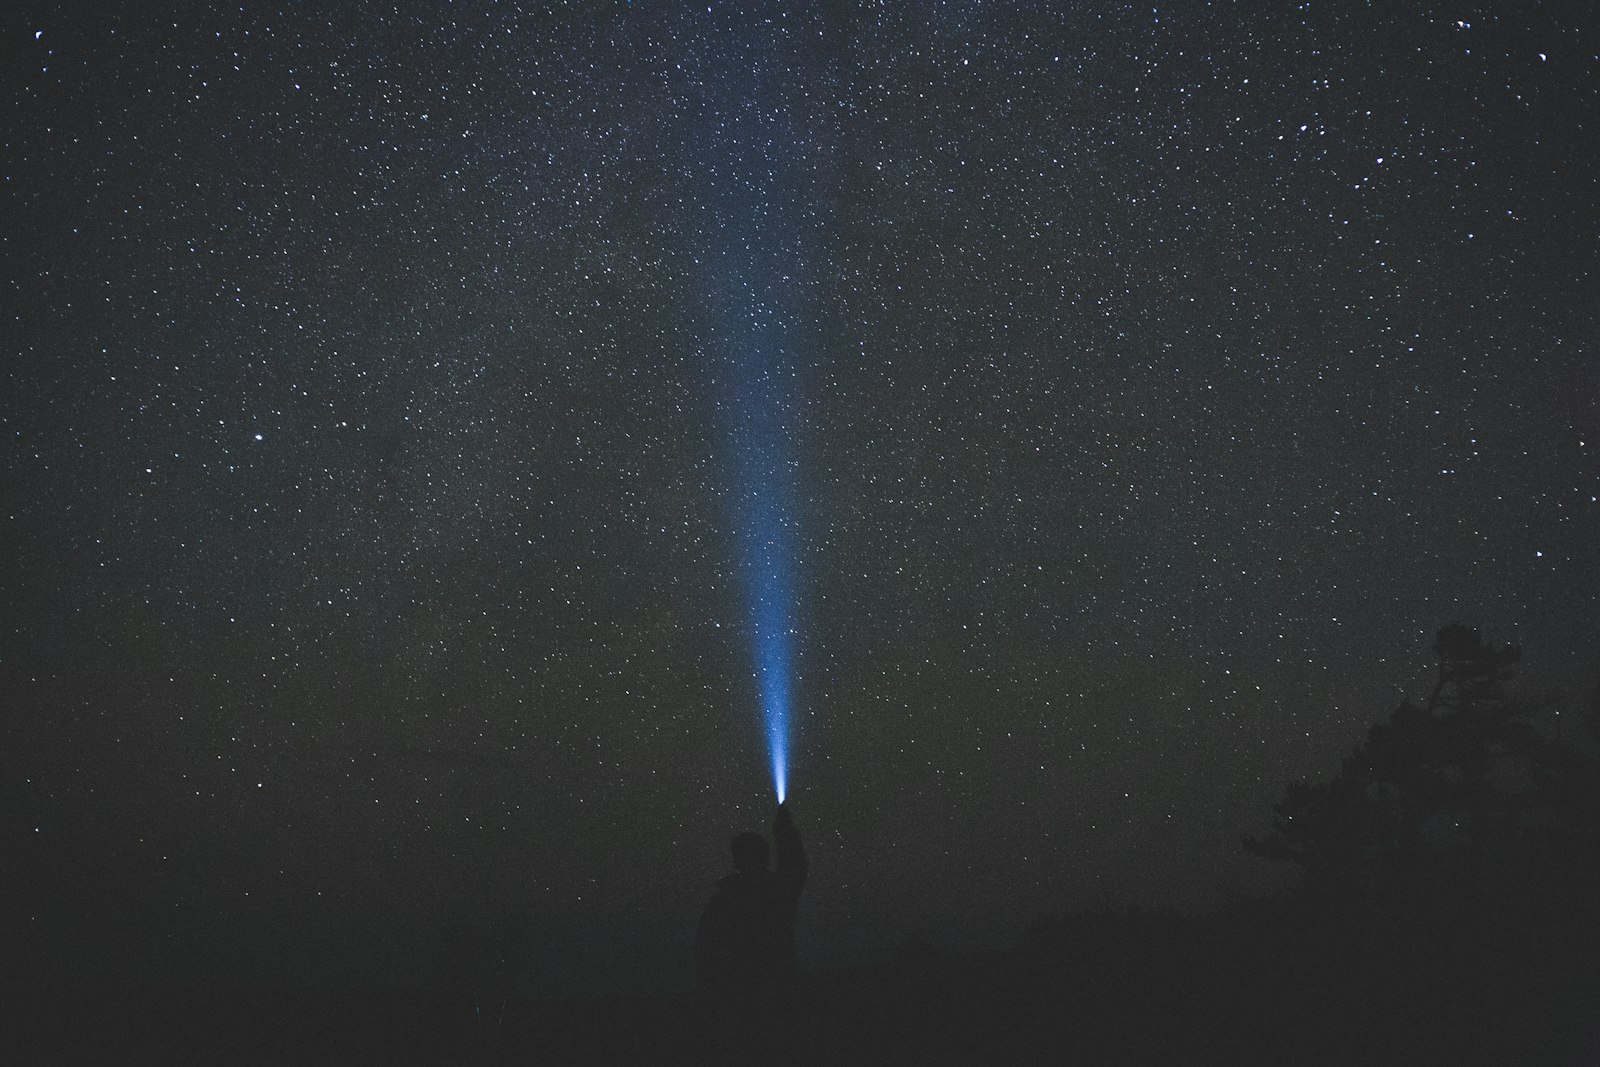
769	590
757	201
759	415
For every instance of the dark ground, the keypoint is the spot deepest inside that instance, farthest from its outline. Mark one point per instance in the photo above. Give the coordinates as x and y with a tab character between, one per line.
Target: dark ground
1289	981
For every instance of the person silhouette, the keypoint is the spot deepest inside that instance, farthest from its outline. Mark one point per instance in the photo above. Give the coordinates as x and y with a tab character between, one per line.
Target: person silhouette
745	941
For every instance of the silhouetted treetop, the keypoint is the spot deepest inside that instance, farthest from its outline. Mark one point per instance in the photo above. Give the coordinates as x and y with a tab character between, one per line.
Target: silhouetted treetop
1472	673
1466	774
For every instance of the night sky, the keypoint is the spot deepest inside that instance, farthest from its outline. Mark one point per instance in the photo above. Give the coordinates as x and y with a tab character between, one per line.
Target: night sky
422	424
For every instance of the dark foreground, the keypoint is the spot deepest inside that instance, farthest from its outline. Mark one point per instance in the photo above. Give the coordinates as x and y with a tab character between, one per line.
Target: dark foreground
1261	983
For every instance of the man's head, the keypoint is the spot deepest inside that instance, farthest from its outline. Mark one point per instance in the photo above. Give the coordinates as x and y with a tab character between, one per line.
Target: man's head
750	852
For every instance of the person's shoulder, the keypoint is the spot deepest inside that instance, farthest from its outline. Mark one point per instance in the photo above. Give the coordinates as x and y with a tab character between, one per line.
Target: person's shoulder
742	883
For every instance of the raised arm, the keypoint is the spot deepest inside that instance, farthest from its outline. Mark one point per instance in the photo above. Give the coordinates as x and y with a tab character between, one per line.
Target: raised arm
791	869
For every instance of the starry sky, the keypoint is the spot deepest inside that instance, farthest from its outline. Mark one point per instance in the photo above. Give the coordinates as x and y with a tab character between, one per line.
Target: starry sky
400	402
